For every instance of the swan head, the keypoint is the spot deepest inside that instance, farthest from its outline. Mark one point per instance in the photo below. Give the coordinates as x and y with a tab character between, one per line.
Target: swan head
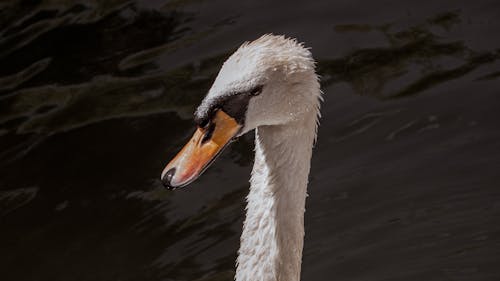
270	81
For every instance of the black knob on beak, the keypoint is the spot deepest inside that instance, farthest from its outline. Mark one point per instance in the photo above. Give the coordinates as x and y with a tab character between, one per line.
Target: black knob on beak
167	179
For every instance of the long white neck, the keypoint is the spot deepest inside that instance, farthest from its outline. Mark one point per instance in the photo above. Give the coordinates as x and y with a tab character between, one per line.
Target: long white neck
273	231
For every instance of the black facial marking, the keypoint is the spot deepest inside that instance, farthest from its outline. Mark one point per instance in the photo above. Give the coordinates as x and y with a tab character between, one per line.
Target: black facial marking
234	104
236	107
204	120
201	121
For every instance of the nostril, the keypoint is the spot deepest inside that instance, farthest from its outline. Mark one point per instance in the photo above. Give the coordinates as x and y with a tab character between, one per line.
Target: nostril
167	179
208	134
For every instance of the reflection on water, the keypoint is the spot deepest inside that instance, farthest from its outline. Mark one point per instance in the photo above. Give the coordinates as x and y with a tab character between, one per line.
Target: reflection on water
416	58
95	96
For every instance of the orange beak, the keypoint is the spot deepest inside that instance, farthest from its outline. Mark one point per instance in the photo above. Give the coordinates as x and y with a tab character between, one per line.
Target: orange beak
205	145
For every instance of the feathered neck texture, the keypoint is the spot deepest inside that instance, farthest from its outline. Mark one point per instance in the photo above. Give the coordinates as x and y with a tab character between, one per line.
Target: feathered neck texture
273	231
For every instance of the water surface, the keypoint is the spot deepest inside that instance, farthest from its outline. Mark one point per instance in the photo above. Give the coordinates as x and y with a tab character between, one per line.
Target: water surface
96	97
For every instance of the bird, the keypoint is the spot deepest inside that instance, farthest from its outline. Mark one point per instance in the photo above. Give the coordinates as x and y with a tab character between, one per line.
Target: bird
268	86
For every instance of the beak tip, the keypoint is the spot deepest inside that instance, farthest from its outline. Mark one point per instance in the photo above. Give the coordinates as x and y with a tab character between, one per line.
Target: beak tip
166	180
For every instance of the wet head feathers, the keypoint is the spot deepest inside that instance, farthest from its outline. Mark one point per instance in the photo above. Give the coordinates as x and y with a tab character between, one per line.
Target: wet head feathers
252	65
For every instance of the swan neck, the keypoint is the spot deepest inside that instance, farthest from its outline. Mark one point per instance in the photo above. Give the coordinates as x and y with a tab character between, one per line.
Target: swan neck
273	231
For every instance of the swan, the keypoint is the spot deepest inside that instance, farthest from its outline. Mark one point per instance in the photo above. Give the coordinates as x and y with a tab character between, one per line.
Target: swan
270	86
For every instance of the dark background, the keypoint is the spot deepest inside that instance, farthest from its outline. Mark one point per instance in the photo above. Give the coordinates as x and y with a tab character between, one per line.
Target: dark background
97	96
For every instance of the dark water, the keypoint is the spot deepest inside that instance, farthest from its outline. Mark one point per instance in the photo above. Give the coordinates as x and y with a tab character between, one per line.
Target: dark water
96	96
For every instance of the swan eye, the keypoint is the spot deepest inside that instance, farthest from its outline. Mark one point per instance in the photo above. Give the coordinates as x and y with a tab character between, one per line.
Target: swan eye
256	91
